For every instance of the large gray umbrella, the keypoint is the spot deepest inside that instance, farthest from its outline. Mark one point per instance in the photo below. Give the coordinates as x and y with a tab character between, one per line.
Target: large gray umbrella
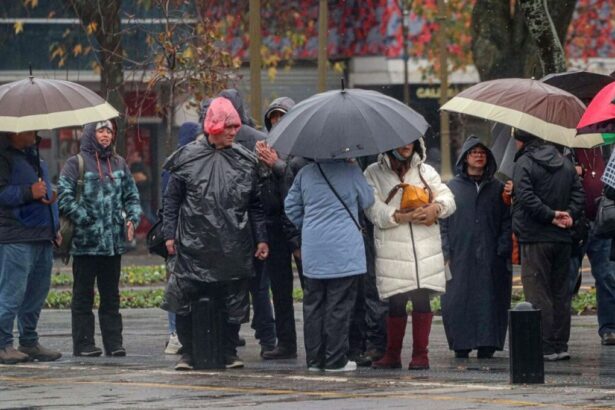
39	104
346	123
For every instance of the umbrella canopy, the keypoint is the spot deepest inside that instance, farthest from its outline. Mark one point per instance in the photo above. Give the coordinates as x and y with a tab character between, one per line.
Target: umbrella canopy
599	117
582	84
503	149
529	105
39	104
346	123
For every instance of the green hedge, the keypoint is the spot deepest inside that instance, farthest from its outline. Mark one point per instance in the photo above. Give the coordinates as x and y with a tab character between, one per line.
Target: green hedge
129	299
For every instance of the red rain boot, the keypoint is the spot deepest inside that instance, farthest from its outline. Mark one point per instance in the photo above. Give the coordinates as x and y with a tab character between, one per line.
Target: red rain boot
421	326
396	328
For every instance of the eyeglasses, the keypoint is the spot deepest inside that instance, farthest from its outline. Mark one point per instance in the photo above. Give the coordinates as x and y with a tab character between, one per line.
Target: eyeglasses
478	153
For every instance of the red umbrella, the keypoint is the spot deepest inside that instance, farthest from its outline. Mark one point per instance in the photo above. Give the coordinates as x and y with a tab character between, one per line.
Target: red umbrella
602	107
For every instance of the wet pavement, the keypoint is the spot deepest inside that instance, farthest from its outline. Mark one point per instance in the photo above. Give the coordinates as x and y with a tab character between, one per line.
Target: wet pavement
146	379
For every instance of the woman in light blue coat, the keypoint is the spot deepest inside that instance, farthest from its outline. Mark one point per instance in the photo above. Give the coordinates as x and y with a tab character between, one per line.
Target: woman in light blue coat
324	202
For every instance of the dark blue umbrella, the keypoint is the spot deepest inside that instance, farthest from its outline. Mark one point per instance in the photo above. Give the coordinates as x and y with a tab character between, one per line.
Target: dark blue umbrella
346	123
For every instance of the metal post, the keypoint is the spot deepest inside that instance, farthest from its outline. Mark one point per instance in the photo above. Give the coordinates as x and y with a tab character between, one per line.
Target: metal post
445	143
404	33
323	27
255	60
525	344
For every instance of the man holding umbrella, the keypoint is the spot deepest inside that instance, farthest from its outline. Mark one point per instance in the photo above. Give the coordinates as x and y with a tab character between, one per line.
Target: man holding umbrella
27	230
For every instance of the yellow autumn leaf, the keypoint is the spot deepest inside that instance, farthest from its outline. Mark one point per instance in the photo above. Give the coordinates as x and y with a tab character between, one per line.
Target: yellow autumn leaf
91	28
78	49
271	73
31	3
188	53
18	26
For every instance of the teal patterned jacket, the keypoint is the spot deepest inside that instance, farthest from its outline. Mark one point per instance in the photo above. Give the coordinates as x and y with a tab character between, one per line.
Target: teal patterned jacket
108	200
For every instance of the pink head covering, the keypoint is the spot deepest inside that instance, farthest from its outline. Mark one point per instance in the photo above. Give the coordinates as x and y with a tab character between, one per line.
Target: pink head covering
220	114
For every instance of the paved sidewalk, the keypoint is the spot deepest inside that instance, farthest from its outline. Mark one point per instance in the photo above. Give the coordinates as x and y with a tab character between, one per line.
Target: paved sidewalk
145	378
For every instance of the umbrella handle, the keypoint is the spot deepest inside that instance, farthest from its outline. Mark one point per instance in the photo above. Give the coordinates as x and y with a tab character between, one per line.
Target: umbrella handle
54	198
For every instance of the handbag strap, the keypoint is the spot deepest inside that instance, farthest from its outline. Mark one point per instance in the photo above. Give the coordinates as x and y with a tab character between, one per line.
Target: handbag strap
359	227
80	180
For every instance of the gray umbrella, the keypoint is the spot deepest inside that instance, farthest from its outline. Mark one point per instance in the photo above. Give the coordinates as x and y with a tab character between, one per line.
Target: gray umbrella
38	104
346	123
504	150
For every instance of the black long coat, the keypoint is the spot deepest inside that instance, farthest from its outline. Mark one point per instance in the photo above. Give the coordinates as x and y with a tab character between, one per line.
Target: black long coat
476	241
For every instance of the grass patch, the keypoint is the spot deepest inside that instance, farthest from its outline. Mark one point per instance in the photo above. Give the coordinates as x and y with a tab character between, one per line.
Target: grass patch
129	299
130	276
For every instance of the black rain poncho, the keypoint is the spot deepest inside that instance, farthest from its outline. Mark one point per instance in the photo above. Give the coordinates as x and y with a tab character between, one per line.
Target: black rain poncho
213	211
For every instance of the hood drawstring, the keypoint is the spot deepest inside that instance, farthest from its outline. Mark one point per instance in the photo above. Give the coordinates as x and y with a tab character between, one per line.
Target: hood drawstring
100	173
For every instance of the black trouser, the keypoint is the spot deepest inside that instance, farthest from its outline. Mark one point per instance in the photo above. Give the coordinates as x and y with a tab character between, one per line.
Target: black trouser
278	268
235	310
544	274
327	310
262	320
418	297
368	327
105	270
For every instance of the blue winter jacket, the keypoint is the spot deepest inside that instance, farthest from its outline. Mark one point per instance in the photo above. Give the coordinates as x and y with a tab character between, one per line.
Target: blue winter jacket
109	199
331	244
23	219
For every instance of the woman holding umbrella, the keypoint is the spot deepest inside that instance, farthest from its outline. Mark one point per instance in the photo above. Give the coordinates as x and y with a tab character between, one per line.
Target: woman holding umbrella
105	217
410	198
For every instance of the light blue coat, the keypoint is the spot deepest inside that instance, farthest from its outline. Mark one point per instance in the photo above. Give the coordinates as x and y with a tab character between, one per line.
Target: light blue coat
331	244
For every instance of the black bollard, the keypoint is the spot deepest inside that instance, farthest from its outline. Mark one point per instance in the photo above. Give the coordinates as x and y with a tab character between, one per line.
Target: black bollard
525	345
207	334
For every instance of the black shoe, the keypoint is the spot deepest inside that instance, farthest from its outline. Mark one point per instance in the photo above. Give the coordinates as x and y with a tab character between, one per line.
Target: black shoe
241	341
280	353
462	354
608	339
233	362
88	351
116	352
485	352
266	349
366	359
185	363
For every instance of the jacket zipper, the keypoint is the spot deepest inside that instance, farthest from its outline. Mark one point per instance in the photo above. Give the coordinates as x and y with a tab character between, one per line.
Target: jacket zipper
416	262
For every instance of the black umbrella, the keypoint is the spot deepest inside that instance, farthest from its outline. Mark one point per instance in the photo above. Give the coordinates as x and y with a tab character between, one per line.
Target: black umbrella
582	84
346	123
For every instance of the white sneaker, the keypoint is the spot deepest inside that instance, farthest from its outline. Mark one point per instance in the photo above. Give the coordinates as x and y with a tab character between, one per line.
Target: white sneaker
173	345
563	356
550	357
350	366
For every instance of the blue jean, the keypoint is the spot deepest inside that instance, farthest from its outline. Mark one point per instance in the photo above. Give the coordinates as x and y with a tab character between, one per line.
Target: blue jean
25	276
603	269
172	323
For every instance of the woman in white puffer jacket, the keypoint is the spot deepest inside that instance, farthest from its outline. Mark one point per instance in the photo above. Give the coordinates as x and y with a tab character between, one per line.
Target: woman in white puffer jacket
409	260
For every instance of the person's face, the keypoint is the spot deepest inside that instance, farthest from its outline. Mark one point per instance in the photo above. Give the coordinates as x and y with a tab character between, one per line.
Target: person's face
477	157
225	138
104	136
406	151
518	144
275	117
23	139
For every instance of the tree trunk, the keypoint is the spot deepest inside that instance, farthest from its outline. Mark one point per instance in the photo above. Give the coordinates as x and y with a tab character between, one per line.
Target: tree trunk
501	44
106	15
544	34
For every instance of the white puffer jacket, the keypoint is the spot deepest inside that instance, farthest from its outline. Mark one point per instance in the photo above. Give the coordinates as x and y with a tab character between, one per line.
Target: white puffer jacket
408	256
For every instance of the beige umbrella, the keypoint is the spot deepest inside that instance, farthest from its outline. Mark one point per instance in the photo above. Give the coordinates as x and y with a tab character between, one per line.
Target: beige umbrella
548	112
38	104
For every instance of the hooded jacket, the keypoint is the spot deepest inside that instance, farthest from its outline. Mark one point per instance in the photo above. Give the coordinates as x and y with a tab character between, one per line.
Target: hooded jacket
109	198
544	181
476	241
279	104
23	219
408	256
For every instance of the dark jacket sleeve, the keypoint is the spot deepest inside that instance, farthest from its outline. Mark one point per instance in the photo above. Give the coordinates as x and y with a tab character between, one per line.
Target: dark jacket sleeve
576	206
256	213
172	200
12	195
446	249
67	194
130	198
525	195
